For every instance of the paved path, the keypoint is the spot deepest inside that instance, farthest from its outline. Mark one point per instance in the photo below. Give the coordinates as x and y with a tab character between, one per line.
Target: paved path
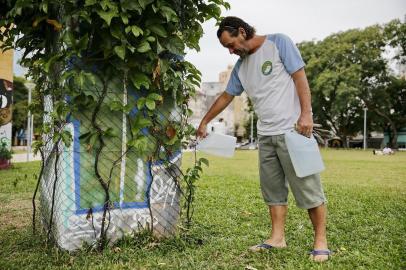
23	157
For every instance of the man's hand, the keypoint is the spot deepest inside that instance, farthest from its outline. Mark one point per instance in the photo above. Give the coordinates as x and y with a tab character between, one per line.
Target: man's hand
305	124
201	130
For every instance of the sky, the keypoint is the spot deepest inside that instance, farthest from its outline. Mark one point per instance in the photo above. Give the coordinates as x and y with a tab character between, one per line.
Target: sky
301	20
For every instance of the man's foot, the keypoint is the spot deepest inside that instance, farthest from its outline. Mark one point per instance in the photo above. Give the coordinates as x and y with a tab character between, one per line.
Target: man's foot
320	255
268	244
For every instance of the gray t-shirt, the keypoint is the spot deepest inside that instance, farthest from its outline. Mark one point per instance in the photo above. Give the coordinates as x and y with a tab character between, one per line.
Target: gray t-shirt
265	76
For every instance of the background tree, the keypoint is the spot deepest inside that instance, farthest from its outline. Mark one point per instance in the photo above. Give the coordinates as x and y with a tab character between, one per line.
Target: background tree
350	70
20	107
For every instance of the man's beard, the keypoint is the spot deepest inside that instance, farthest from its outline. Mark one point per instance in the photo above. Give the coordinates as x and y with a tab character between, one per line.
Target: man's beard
241	53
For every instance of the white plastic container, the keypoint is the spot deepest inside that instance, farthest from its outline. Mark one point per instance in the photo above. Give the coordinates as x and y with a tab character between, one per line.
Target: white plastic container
304	153
217	144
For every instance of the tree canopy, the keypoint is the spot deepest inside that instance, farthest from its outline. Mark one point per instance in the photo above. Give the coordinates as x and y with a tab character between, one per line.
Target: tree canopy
351	70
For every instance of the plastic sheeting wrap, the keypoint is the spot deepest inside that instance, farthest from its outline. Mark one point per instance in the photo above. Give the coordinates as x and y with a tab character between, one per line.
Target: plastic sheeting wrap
141	191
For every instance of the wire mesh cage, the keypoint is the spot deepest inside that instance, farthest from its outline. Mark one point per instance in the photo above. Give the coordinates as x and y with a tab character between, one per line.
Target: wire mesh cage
101	191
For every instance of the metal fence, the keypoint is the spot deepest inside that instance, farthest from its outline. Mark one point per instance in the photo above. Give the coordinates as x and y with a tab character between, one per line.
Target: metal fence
94	194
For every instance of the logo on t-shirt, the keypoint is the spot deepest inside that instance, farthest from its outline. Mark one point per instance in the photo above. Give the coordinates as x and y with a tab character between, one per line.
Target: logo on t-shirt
267	67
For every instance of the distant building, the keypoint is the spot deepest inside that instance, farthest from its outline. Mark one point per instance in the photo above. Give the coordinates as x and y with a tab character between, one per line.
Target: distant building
232	119
6	95
239	105
195	104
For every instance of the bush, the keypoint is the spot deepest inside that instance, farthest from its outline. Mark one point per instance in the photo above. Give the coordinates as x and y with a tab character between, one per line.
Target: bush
5	153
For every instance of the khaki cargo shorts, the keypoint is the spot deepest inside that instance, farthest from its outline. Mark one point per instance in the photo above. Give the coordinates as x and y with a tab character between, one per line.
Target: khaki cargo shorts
276	172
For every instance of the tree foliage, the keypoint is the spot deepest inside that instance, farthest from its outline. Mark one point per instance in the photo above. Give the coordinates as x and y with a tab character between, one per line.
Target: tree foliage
20	107
350	70
91	42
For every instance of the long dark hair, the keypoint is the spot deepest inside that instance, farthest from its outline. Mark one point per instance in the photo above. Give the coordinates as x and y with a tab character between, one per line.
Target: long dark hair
231	24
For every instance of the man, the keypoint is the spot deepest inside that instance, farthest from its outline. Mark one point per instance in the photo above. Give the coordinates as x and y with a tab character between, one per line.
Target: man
271	71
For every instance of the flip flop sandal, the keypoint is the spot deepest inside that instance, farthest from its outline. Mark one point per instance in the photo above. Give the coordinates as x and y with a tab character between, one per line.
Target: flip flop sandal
261	247
316	252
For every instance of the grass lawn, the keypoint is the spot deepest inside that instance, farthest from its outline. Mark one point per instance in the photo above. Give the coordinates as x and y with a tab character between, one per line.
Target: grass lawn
366	221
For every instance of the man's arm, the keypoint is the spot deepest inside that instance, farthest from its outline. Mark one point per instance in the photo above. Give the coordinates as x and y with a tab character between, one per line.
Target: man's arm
305	122
219	105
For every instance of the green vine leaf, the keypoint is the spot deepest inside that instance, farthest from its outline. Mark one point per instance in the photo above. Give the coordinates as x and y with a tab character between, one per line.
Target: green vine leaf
136	31
44	7
172	141
141	103
83	77
144	3
120	51
175	45
130	5
115	31
36	146
66	137
91	2
140	145
169	14
140	123
158	29
204	161
51	61
107	16
109	133
116	105
82	44
69	39
150	104
155	96
151	38
107	4
139	80
143	47
125	18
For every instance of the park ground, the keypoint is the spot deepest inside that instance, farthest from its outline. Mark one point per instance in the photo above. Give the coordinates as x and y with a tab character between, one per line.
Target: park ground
366	221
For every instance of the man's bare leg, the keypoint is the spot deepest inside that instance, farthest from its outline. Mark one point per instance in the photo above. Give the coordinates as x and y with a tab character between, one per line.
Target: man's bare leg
318	217
278	217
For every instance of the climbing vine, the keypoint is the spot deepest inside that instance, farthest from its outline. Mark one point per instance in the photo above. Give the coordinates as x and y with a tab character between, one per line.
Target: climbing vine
74	51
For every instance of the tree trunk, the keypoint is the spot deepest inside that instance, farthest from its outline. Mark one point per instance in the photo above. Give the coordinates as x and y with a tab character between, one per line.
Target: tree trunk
344	139
393	140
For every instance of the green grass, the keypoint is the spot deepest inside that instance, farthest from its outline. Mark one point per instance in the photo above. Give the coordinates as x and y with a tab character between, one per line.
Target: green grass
366	221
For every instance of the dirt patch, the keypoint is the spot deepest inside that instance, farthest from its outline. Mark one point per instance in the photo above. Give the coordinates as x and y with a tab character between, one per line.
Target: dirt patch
15	214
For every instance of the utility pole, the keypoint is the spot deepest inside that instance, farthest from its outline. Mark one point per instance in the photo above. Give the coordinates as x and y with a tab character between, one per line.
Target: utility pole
30	121
252	128
365	127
